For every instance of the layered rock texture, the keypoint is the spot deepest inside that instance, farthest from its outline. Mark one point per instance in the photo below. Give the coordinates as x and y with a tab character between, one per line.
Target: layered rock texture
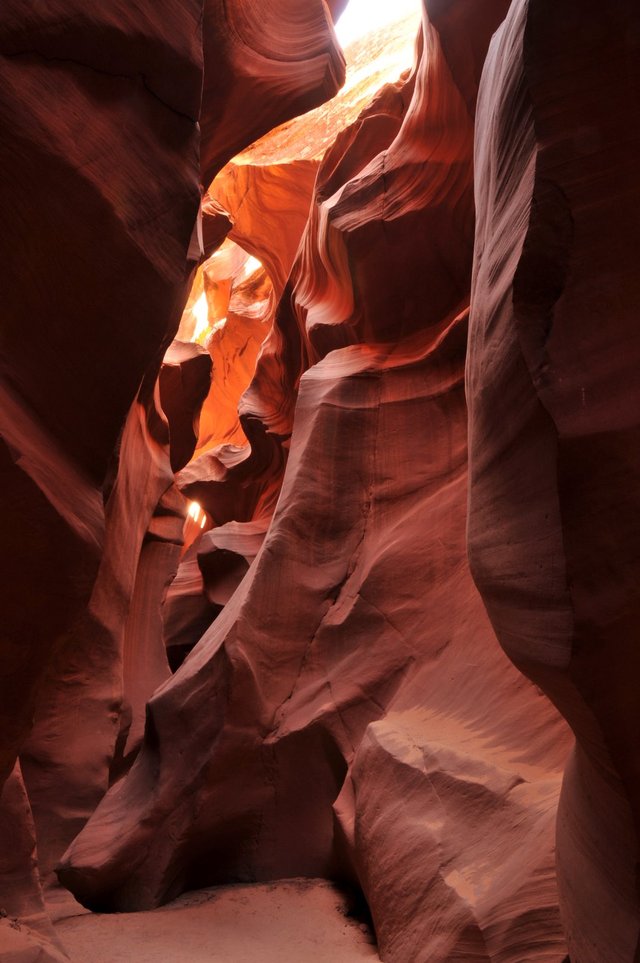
260	203
553	358
112	119
340	716
363	654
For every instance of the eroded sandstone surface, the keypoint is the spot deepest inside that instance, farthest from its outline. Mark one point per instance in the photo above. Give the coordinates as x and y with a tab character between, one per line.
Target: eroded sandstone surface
112	121
340	715
319	468
554	343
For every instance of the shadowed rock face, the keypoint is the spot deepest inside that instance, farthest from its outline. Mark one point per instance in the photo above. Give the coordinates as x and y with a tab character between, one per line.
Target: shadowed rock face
109	662
277	53
554	402
26	932
103	156
64	406
349	712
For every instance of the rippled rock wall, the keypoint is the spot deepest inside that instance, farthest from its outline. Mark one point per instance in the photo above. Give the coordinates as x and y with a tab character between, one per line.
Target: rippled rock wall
413	575
112	119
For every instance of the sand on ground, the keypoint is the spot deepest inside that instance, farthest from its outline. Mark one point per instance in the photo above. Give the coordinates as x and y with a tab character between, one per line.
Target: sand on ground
288	921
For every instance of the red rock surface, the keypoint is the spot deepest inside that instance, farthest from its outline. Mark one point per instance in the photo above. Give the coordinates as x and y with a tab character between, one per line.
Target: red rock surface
554	403
93	694
25	930
346	710
266	193
279	53
269	207
102	159
185	379
378	57
236	295
355	664
100	288
261	202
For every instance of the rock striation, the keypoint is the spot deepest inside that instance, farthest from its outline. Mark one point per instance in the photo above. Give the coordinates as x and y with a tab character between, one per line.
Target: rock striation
554	402
349	713
280	53
393	643
260	203
100	201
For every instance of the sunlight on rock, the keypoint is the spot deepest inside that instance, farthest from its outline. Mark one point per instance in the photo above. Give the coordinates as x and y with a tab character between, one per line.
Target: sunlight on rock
200	311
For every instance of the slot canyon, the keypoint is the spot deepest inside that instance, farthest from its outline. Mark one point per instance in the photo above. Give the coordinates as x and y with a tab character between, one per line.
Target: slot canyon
320	482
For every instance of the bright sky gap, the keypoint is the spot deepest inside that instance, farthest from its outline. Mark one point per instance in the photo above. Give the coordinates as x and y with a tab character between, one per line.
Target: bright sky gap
362	16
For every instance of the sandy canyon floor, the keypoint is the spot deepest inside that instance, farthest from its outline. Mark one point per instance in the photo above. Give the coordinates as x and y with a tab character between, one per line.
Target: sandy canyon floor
291	921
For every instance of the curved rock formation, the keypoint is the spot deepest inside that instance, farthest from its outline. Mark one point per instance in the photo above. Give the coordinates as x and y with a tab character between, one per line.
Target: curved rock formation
184	382
355	665
266	194
25	930
268	206
93	692
108	257
345	709
554	402
88	224
238	296
281	54
261	201
103	158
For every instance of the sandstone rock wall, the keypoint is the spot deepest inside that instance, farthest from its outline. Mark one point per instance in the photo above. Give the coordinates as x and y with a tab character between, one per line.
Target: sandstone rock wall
346	709
553	395
349	712
103	157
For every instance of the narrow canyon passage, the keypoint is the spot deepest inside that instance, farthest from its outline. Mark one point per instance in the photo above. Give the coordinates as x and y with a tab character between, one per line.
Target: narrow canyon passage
319	423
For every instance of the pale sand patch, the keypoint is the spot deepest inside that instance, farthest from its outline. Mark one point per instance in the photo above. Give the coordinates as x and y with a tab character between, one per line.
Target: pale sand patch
289	921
